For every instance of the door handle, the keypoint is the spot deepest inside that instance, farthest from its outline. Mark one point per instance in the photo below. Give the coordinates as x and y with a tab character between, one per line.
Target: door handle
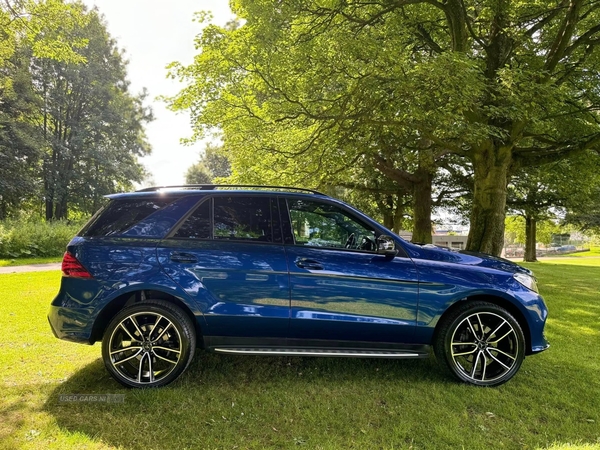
183	258
309	264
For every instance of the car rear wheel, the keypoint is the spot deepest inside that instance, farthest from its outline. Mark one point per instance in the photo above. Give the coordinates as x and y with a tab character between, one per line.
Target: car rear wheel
148	344
480	343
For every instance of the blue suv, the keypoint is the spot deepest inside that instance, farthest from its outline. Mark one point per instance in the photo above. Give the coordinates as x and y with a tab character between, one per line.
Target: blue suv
282	271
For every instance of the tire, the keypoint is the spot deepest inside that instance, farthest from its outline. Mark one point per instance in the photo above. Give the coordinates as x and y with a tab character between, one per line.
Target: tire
138	356
488	359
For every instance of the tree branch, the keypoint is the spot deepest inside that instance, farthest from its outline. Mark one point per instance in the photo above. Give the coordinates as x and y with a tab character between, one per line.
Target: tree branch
564	35
402	177
552	14
426	36
583	39
535	156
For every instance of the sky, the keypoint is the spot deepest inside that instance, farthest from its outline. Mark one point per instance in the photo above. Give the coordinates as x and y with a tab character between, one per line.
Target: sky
154	33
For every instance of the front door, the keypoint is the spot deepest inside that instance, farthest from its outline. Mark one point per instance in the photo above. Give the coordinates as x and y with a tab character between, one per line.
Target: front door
341	289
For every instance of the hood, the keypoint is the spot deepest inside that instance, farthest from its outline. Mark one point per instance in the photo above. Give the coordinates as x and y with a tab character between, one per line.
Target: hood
445	254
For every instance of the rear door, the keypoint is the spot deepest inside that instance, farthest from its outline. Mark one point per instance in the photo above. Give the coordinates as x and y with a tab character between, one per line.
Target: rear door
341	289
228	255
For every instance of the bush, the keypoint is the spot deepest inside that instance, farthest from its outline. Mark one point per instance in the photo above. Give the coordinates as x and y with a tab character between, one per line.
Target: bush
29	238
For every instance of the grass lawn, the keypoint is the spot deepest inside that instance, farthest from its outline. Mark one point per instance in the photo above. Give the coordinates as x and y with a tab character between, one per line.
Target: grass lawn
592	252
24	261
229	402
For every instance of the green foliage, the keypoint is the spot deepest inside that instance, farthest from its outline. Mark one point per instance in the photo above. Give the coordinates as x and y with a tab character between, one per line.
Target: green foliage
216	161
568	184
94	130
34	238
515	230
583	206
70	130
588	221
198	174
212	164
20	141
314	94
541	193
45	26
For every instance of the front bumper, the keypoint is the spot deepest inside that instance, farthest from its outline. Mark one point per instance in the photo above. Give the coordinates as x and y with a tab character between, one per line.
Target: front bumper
536	314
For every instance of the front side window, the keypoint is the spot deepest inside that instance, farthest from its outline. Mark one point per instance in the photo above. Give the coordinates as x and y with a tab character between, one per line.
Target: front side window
317	224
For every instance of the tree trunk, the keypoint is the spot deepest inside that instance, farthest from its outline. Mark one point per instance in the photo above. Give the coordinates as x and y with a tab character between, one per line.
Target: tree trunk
388	220
422	204
48	194
392	210
486	233
49	209
61	211
530	239
398	213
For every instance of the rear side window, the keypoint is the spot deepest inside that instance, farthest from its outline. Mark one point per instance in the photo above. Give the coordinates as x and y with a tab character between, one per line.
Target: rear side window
243	218
120	215
197	226
233	218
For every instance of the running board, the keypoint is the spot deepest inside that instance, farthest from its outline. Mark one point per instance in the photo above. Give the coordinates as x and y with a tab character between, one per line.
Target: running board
347	353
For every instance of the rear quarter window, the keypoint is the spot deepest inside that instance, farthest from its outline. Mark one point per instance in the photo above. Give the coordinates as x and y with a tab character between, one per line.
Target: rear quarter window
120	215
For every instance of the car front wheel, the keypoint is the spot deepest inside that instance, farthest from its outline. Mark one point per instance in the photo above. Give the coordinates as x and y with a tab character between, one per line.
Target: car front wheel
148	344
481	343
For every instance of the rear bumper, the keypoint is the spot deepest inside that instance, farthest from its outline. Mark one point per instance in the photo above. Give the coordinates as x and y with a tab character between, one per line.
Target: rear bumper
71	324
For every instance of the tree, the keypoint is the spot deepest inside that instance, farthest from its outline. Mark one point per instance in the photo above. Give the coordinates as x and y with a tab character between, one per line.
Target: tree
92	125
540	193
505	85
587	219
212	164
198	174
19	140
382	199
44	29
43	26
516	230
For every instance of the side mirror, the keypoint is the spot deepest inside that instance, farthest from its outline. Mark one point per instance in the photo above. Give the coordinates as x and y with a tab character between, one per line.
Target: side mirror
386	246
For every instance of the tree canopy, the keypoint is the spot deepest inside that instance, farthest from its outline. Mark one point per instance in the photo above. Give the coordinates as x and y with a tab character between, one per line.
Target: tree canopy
70	130
316	92
551	190
212	165
45	26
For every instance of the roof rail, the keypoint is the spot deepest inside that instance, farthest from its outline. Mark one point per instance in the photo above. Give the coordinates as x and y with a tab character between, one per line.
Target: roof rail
210	187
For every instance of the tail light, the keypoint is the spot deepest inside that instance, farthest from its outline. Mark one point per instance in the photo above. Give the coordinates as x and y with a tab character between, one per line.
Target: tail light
71	267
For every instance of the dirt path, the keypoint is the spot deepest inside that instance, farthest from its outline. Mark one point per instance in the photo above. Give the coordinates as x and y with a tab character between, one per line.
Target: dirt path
30	268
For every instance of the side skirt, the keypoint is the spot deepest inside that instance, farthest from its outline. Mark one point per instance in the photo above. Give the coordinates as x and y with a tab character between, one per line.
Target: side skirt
299	347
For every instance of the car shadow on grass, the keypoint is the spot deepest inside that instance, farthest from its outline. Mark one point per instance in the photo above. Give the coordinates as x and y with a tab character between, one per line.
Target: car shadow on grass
224	401
239	391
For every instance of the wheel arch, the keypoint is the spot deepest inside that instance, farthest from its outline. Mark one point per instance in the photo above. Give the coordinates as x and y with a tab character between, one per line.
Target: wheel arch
496	300
111	309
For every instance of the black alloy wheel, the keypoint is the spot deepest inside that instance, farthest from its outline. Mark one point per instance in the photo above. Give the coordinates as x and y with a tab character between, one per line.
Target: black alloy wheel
481	343
148	344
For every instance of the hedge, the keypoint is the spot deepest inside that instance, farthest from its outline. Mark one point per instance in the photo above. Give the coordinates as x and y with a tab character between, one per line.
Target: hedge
20	239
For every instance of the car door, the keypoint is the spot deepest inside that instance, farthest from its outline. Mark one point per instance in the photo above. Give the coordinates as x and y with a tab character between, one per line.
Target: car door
341	288
228	255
